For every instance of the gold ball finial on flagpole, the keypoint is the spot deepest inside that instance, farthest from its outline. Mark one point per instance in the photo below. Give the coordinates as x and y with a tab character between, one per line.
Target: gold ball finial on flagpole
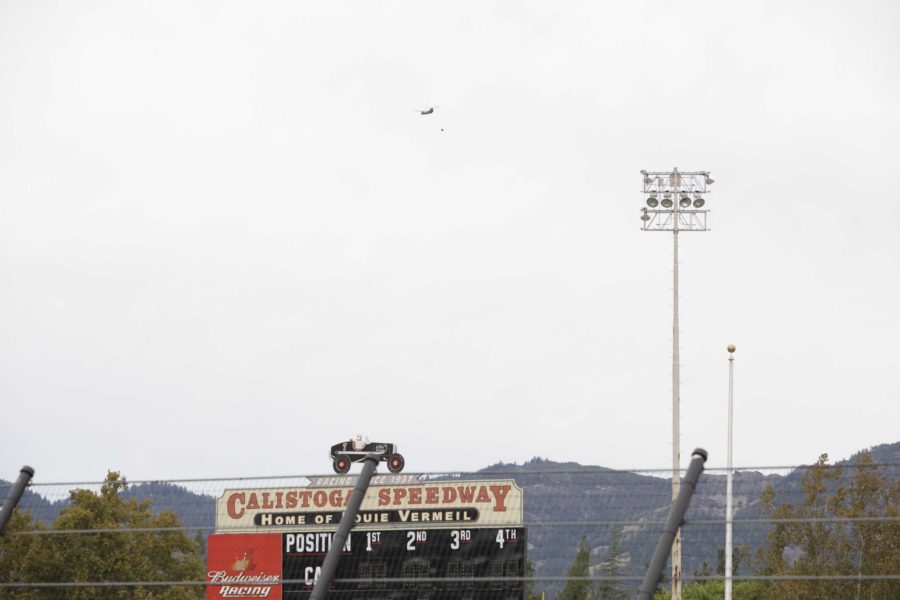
731	348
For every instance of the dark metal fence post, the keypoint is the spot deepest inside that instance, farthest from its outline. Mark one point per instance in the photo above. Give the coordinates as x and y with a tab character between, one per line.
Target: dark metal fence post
676	518
15	494
347	519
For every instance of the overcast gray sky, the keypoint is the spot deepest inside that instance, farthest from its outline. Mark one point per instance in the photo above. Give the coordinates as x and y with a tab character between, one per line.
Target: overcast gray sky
228	240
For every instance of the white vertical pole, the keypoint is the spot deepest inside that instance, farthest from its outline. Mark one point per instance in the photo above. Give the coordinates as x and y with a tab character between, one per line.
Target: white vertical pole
676	393
655	184
728	478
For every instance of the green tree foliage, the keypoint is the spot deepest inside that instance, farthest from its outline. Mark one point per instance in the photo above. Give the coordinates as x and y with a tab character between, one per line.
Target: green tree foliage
821	546
151	556
738	556
874	546
531	592
715	590
579	588
610	587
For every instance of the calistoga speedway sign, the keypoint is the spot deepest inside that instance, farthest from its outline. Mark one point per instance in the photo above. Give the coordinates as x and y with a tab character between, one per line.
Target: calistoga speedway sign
263	535
451	503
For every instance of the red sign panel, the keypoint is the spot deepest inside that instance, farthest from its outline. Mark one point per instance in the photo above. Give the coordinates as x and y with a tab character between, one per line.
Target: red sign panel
244	566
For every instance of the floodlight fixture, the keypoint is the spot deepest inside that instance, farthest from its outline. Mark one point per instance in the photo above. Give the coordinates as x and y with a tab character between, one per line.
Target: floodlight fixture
677	200
709	180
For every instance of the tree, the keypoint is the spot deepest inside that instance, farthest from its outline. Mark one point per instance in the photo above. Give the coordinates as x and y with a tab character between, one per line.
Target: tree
704	571
154	555
714	590
738	553
530	592
578	587
872	545
825	544
610	587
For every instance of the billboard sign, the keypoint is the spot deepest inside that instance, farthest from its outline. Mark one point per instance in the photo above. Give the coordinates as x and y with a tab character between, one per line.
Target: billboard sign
434	504
244	566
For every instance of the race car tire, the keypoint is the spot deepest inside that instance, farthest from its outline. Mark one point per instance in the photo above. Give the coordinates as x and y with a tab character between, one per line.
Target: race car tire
341	464
395	463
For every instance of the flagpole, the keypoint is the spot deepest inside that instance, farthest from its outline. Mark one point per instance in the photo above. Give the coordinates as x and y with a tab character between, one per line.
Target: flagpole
729	477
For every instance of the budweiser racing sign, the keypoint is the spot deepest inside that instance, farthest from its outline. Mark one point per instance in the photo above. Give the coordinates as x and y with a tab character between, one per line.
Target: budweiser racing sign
431	504
244	566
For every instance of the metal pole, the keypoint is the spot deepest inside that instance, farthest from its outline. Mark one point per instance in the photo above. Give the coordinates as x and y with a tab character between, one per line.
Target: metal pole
676	390
347	520
15	494
673	523
675	187
728	479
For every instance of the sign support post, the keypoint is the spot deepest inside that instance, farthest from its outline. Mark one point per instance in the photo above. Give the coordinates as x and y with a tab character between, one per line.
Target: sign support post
15	494
674	522
347	519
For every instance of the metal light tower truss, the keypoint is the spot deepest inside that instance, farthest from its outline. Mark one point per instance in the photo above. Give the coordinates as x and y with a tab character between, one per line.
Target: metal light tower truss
665	220
674	202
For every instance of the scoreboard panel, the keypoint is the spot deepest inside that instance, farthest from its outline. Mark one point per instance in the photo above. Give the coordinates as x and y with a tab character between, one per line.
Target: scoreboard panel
457	555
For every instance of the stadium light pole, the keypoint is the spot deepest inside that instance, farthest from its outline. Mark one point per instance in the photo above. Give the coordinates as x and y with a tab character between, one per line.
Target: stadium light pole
674	202
728	479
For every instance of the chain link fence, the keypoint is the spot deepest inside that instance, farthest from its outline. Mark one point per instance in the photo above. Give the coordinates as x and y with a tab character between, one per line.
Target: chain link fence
812	531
